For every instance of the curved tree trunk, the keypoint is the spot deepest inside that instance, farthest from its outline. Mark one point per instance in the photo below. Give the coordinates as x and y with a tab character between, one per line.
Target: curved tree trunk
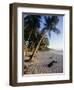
37	47
30	35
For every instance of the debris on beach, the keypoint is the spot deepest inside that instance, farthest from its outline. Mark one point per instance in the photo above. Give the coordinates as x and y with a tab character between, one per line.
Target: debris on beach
51	63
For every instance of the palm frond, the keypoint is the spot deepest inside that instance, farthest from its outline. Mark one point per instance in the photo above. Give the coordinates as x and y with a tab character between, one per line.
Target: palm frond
49	33
44	29
56	30
54	19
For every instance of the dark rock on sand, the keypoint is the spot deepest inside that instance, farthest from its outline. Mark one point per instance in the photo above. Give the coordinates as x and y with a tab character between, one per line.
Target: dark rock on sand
51	63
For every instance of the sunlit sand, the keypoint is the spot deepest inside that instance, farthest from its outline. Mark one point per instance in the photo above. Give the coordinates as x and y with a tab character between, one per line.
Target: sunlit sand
43	59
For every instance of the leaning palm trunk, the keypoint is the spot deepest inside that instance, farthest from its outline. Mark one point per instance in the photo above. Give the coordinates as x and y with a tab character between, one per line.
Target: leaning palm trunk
37	47
30	35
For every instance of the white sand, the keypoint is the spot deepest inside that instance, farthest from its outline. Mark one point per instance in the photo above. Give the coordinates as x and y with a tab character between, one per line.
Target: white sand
44	58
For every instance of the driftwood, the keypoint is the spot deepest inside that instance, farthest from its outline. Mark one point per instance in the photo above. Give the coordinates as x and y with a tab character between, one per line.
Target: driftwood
51	63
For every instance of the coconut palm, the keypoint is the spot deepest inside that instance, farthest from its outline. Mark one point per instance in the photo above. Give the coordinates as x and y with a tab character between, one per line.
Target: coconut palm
49	25
31	27
44	44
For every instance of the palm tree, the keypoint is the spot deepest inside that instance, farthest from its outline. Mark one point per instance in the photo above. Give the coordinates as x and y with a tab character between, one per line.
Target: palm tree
44	44
31	26
49	25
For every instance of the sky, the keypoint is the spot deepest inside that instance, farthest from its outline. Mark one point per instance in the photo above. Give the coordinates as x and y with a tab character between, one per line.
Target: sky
56	41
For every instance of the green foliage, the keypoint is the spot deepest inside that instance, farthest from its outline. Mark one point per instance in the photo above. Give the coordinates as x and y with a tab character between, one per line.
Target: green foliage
50	24
32	24
44	43
31	27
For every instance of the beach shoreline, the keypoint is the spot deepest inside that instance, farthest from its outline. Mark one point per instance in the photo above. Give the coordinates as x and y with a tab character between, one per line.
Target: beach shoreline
44	58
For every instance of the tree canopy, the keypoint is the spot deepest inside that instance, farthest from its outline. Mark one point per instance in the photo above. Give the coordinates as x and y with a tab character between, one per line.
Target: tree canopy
32	26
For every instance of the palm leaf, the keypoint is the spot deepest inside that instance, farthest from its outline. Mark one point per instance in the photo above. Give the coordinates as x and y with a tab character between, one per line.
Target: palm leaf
56	30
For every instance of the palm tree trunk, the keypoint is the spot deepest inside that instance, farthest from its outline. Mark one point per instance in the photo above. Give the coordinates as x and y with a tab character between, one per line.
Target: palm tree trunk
30	35
37	47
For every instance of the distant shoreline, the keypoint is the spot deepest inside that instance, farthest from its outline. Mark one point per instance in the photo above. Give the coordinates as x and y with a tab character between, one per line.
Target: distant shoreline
53	51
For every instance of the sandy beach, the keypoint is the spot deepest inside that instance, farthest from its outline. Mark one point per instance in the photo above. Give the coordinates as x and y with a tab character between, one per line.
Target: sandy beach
43	59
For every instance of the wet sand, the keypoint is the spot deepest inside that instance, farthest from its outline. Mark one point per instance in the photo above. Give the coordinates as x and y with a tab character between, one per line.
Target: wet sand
43	59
